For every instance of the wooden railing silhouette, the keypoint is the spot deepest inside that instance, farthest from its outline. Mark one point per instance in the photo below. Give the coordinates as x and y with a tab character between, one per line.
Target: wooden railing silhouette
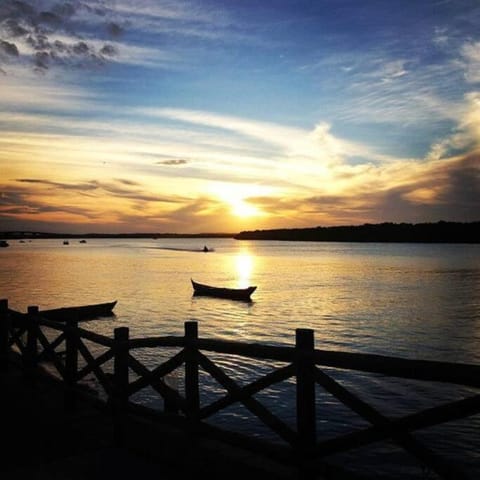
66	345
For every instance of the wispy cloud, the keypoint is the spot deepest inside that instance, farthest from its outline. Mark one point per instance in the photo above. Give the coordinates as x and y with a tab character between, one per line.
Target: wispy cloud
23	92
121	188
173	162
389	70
318	144
471	57
398	96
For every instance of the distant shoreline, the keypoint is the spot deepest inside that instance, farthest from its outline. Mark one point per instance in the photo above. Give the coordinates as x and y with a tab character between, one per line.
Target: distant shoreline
440	232
19	235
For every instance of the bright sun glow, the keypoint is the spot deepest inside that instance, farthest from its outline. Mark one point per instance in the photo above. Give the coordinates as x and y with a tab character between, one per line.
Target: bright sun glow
236	197
240	208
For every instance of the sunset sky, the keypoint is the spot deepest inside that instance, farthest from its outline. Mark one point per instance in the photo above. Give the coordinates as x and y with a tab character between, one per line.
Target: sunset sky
221	116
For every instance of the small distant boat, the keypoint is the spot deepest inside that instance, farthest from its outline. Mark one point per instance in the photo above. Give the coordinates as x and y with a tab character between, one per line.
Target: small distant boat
83	312
66	242
82	241
4	243
221	292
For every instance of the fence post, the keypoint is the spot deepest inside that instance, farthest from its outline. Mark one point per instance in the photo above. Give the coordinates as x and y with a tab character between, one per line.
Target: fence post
120	380
192	392
4	334
71	362
305	381
31	351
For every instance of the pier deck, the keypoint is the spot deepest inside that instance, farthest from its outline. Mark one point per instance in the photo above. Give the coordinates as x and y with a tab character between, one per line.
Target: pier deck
64	429
41	440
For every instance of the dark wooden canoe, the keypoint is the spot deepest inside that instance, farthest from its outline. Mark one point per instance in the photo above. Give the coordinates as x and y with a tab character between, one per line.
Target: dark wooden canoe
221	292
83	312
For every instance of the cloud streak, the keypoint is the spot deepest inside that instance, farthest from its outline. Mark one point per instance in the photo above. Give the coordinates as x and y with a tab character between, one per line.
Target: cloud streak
173	162
121	188
471	56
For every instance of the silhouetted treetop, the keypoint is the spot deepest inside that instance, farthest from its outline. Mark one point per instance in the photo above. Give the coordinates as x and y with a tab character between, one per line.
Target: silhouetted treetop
440	232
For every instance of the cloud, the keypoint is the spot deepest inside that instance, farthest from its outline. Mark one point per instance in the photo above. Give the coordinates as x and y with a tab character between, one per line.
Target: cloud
319	145
388	71
135	193
29	31
441	36
109	50
8	49
447	189
470	53
443	190
416	98
203	212
179	18
92	185
41	203
86	34
451	192
466	134
114	29
122	188
461	192
416	87
305	159
173	162
18	202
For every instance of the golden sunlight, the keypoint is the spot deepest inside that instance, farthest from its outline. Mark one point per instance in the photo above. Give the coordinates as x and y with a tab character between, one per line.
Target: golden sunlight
240	208
236	197
244	267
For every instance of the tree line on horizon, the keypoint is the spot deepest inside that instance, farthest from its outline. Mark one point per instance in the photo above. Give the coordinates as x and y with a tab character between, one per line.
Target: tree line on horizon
440	232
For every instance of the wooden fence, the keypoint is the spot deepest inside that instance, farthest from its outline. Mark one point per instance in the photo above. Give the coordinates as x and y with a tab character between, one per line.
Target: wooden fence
302	363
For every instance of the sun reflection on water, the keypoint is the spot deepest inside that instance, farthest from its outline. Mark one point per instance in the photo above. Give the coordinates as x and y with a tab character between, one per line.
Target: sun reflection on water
244	264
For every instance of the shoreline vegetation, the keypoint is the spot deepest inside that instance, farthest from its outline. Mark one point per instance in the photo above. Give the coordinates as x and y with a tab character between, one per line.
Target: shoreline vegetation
440	232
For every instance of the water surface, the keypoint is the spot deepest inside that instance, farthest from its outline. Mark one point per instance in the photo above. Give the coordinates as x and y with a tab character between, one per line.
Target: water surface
408	300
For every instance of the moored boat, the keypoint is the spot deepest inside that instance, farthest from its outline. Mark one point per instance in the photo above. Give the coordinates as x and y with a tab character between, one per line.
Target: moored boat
222	292
83	312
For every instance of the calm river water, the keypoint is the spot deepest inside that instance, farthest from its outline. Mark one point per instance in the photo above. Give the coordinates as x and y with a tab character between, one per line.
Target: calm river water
407	300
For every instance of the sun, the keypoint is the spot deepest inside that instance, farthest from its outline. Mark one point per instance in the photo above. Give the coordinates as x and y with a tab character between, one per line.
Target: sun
243	209
236	196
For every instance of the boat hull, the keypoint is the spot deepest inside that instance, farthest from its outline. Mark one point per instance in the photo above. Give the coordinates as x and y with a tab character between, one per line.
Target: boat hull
200	289
80	313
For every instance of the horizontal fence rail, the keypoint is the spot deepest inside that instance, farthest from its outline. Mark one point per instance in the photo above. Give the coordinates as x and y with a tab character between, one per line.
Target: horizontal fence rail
66	346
